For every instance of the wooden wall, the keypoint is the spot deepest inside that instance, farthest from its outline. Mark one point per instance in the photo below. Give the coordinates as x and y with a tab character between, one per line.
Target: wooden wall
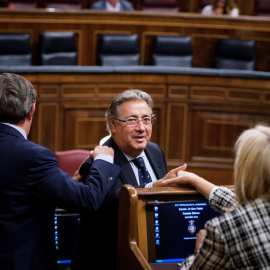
199	117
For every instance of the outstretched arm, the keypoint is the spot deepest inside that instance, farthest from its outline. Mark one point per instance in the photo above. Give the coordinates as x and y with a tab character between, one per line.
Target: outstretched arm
187	178
172	174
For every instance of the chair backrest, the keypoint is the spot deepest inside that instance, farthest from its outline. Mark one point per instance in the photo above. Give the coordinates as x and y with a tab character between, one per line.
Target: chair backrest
160	5
119	50
235	54
64	4
25	3
70	161
58	48
15	49
172	51
261	8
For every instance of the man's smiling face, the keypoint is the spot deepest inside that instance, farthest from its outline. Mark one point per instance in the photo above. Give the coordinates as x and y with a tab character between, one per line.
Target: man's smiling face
132	140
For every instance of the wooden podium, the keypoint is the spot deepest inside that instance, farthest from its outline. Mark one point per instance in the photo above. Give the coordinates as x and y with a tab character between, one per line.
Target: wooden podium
133	249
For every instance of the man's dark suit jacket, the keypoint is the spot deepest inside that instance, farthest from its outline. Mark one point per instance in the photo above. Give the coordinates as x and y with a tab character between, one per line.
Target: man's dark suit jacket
124	5
97	238
31	185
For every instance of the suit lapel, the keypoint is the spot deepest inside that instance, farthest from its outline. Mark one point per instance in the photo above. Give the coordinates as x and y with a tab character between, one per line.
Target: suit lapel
127	174
155	163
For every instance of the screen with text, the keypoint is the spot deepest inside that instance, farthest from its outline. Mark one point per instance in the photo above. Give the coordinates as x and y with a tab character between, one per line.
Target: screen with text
175	227
65	231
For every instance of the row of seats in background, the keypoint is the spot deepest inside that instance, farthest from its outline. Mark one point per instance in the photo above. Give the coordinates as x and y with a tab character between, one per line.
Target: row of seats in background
261	7
59	48
174	51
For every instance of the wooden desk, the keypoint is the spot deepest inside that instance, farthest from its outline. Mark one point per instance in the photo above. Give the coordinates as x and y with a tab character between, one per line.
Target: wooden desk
132	236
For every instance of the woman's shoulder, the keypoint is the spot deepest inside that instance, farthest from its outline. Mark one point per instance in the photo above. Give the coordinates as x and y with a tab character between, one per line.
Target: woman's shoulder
257	211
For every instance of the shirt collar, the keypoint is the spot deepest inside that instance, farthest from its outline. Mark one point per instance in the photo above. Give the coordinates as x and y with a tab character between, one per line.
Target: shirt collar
129	158
17	128
109	7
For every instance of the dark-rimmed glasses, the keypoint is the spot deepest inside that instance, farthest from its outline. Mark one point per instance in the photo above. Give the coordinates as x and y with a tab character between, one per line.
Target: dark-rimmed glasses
133	121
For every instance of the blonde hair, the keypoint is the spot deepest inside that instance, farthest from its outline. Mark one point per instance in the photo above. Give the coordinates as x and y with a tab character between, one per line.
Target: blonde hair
252	164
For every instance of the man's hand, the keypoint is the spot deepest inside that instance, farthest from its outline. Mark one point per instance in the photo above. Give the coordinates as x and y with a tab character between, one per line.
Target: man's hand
77	176
105	150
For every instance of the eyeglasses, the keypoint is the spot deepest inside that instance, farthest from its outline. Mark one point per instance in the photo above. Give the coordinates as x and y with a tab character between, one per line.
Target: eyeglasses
133	121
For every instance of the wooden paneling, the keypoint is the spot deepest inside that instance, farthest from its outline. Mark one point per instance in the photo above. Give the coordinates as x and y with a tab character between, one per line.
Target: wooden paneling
48	125
78	90
52	91
198	117
175	130
84	127
89	25
217	132
214	130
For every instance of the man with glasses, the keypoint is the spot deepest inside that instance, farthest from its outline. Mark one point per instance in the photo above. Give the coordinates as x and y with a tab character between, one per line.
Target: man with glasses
129	120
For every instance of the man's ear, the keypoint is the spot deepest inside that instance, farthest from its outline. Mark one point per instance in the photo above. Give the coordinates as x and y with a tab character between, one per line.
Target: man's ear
32	111
112	124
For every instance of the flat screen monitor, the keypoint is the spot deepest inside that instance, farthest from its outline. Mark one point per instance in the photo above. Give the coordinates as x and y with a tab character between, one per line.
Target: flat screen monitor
172	227
65	231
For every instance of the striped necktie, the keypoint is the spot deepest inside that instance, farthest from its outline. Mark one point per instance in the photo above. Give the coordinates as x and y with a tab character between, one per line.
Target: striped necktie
144	175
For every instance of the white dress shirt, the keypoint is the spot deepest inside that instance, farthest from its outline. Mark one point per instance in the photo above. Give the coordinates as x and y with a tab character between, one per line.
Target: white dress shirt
148	166
109	7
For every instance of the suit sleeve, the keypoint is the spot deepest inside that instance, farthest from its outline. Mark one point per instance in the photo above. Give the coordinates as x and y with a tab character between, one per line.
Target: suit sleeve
48	182
85	167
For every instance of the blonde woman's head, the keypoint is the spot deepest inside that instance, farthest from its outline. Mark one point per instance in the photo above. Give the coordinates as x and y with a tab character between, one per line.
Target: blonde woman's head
252	164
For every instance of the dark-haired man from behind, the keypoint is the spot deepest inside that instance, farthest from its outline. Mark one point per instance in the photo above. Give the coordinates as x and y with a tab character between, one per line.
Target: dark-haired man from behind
32	184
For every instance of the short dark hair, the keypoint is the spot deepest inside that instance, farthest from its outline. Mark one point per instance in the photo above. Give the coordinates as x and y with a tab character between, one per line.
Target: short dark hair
17	95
